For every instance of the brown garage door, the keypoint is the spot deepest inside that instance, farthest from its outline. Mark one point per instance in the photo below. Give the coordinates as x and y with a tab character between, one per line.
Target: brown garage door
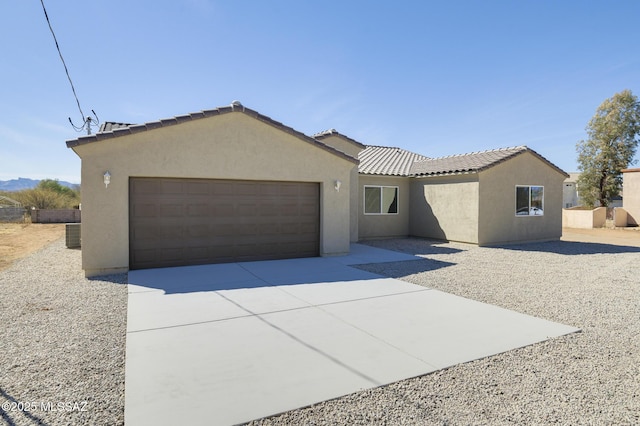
176	222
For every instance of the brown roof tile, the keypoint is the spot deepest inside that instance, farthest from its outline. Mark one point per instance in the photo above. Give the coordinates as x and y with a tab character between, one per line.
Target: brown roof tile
472	162
384	160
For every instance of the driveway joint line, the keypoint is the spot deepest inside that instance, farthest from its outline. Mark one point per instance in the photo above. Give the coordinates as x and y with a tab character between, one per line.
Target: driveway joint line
251	313
337	302
321	305
251	273
310	346
435	367
166	327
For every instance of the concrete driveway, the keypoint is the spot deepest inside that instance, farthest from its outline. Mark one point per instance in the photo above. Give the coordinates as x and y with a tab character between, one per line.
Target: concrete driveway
229	343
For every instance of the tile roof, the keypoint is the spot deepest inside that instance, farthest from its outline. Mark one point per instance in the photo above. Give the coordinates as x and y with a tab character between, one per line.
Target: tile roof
122	129
374	160
109	126
385	160
472	162
333	132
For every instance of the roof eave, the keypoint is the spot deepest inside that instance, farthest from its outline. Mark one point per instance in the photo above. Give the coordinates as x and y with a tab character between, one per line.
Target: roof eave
324	135
83	140
549	163
448	173
384	174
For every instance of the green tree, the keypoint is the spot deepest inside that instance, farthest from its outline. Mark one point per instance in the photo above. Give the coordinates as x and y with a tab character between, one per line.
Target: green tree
42	199
610	148
49	194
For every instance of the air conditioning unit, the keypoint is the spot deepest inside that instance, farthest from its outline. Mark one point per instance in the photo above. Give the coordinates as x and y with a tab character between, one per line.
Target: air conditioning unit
73	235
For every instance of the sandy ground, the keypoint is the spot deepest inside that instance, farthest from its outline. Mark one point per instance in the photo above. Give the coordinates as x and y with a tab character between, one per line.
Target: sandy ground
18	240
618	236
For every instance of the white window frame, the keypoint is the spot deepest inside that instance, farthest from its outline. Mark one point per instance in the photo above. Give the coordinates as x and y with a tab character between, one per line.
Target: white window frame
529	207
364	200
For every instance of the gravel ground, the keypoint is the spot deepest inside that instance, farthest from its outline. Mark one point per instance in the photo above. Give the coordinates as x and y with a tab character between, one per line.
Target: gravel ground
590	378
62	341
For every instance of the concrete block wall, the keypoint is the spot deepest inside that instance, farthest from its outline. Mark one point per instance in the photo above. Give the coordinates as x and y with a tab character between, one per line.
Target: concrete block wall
55	216
12	214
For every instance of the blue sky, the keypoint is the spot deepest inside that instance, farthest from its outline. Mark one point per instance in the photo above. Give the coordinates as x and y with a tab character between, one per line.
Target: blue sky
437	78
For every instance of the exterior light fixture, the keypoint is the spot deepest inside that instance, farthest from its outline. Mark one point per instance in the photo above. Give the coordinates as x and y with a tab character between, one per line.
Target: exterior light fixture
338	184
107	178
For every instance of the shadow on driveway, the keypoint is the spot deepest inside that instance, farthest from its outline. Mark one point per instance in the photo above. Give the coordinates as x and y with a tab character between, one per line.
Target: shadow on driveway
404	269
288	272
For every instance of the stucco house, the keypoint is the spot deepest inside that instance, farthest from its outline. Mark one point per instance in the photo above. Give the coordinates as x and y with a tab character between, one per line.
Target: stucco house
230	184
571	196
631	200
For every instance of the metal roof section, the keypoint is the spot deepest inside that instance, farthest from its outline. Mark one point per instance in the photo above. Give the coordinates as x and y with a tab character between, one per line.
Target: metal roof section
473	162
388	161
236	106
333	132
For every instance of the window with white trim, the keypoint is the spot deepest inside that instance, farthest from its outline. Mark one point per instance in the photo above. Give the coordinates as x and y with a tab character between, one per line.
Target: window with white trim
529	200
380	199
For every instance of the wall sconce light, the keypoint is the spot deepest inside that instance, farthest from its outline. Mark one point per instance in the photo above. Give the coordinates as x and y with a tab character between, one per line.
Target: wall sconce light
338	185
107	178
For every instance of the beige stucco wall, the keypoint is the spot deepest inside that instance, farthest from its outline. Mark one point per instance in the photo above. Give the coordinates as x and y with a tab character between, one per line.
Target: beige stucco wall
228	146
445	208
620	217
631	197
341	144
354	209
498	222
384	225
579	217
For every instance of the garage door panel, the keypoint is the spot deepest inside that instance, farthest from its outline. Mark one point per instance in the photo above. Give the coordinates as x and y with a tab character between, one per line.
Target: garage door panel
268	209
269	229
198	254
172	210
310	210
246	210
197	188
222	210
198	210
246	188
194	221
147	186
221	230
219	188
170	187
144	210
246	230
199	231
289	209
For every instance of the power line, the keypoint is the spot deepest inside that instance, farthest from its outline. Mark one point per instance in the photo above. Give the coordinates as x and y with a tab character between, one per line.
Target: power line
88	120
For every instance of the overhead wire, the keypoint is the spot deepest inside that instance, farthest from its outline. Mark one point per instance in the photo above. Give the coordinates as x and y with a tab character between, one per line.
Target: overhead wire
66	70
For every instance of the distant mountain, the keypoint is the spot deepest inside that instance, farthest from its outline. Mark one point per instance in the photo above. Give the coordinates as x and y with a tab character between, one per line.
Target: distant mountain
25	183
